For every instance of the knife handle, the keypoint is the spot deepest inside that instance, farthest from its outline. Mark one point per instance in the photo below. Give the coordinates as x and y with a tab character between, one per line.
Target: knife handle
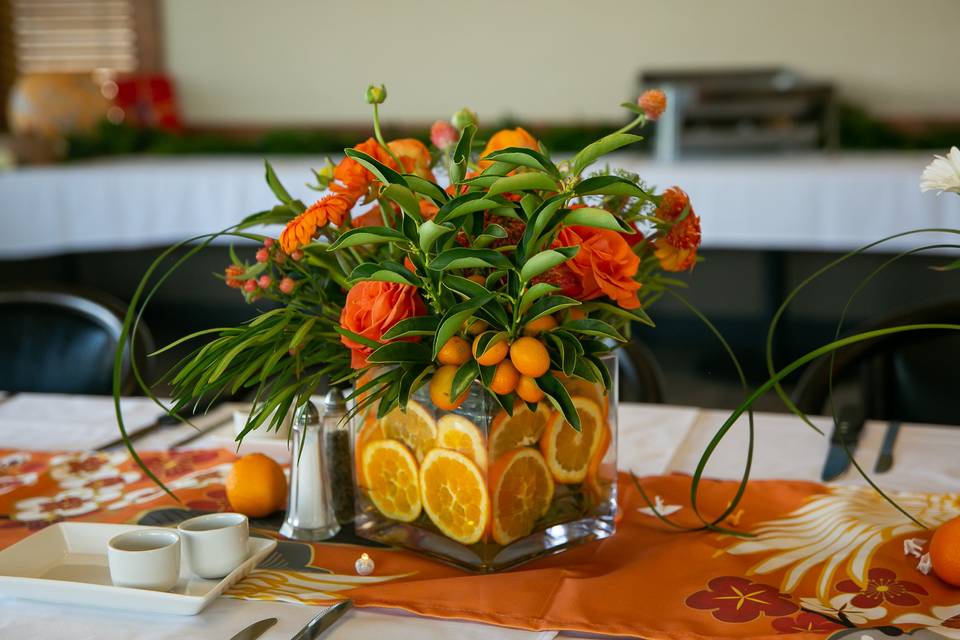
848	426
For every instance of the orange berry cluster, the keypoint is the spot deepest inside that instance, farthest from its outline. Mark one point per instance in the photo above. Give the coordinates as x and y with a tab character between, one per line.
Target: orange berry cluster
518	364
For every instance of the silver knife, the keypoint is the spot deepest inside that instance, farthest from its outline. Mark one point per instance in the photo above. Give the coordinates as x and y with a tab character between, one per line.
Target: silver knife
323	621
846	431
885	459
255	630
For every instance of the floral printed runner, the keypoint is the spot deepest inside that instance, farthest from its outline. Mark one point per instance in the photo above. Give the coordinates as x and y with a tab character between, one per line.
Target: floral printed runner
824	562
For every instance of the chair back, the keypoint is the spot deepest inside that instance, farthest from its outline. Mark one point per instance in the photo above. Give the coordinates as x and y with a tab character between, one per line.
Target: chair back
908	376
63	341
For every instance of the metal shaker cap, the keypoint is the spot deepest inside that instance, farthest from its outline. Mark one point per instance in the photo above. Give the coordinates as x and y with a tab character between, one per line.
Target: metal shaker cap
333	402
308	414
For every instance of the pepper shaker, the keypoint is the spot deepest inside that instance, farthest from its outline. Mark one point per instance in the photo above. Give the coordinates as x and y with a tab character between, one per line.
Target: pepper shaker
336	435
310	514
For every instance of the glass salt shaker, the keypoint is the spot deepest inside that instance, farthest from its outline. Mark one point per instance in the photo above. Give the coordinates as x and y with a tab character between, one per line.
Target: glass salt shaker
336	436
310	514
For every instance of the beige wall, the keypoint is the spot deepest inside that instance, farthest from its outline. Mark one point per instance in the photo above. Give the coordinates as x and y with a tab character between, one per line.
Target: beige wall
308	61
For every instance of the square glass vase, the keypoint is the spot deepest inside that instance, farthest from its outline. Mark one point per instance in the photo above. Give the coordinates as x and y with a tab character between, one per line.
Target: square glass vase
484	490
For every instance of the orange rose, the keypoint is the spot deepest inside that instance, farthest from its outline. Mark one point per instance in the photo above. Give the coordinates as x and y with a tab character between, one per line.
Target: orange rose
374	307
604	266
414	155
505	138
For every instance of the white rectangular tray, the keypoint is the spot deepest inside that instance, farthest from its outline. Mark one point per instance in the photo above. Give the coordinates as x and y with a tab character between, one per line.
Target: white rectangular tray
67	563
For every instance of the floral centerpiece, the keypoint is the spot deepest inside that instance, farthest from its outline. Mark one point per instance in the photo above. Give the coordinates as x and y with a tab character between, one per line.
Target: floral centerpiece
472	293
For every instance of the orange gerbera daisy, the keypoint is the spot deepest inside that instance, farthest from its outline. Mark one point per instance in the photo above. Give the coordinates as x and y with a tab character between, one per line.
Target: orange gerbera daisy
305	227
677	251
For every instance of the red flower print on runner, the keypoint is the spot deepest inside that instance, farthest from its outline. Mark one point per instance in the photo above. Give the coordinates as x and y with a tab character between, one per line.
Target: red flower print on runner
733	599
882	585
805	622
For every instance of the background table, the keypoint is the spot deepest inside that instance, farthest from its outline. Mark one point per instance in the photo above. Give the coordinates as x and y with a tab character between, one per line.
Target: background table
833	202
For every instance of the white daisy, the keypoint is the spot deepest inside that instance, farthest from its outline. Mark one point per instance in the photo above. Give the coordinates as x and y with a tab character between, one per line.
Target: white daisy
943	174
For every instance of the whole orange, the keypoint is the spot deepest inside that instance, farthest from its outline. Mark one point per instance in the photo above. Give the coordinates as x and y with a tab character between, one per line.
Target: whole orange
528	389
538	326
256	486
505	378
455	351
493	355
441	385
530	357
945	552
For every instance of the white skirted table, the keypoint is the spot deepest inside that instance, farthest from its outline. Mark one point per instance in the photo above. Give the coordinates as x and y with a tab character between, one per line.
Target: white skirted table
823	202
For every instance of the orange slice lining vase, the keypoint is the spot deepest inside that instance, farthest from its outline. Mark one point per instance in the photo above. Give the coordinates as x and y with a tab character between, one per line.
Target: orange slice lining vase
485	509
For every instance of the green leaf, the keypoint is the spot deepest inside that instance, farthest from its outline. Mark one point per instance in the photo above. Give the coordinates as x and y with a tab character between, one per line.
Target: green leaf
592	327
468	258
530	203
491	234
637	315
461	154
546	260
521	156
430	232
464	377
385	271
464	286
301	333
599	218
412	379
394	352
610	186
488	339
548	306
356	337
425	187
405	198
454	318
535	292
540	220
950	266
472	206
523	182
559	398
589	154
381	172
484	181
416	326
274	183
605	376
366	235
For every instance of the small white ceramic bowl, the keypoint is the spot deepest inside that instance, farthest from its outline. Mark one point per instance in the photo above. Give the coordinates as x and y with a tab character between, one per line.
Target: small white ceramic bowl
145	559
216	543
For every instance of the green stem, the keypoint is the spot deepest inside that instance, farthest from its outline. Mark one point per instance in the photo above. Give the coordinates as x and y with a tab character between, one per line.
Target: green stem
380	139
633	124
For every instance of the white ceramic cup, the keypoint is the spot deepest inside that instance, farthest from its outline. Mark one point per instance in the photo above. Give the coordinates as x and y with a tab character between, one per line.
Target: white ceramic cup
216	543
145	559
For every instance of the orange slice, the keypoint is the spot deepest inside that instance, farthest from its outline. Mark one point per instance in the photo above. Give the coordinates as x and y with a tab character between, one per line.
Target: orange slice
456	433
598	485
522	429
414	428
522	491
370	430
568	452
392	480
454	495
592	390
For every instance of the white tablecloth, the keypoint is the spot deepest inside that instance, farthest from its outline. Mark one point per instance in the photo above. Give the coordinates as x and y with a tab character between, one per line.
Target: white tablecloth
813	202
653	439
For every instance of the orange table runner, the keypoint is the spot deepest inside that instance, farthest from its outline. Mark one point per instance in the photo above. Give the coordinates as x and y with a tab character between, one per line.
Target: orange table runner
825	561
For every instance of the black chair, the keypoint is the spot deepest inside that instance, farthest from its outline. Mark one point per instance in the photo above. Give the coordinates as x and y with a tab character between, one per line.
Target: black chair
63	341
908	376
641	379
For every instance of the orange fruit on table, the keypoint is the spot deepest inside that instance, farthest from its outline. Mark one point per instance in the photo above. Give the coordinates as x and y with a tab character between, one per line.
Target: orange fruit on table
454	495
256	486
393	484
414	427
494	354
568	452
522	429
457	433
538	326
521	491
505	378
945	552
528	389
530	357
455	351
441	385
